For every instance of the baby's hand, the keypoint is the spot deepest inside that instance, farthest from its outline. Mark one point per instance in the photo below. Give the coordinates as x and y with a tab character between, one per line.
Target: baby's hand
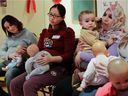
110	41
79	89
12	55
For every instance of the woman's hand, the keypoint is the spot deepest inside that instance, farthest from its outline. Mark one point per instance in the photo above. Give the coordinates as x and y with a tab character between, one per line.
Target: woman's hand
77	60
12	56
101	69
80	89
21	49
110	41
44	60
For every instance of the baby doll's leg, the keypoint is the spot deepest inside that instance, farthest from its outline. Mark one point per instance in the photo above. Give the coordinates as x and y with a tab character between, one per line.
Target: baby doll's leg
39	70
28	67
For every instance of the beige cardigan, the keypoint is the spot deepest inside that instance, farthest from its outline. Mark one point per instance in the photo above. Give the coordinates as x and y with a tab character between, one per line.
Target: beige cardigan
87	39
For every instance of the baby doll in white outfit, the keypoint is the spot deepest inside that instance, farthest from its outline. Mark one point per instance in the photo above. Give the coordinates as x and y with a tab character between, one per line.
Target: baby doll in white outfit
91	75
31	66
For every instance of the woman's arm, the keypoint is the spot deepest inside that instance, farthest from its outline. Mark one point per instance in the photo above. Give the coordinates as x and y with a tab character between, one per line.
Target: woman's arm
47	60
3	50
69	43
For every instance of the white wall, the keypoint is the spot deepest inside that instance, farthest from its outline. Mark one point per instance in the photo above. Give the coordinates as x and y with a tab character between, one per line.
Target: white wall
68	18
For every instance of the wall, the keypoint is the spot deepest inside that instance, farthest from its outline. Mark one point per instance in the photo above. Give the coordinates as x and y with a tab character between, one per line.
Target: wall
33	21
69	14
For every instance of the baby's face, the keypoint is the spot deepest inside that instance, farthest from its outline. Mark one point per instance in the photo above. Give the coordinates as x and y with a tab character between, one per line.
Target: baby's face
120	82
88	21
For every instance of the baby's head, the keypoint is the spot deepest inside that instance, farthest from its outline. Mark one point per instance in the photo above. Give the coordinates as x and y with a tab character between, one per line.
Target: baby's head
118	73
20	49
87	20
99	48
100	52
32	50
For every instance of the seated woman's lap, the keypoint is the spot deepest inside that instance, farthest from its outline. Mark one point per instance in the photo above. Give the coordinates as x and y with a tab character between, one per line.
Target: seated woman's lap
48	78
3	64
86	56
36	82
11	73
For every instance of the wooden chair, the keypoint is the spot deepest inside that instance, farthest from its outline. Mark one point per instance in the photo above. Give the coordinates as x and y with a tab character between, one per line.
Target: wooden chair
2	81
47	90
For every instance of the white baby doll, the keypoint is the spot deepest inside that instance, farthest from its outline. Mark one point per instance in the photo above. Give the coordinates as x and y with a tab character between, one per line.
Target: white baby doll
91	75
31	66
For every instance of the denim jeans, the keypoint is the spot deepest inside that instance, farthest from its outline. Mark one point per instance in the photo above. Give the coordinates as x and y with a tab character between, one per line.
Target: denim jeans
10	74
89	91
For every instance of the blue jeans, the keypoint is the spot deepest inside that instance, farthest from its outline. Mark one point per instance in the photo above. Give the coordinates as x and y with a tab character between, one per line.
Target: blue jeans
10	74
89	91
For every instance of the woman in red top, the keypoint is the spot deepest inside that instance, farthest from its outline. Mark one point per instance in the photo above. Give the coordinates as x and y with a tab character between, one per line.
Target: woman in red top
58	40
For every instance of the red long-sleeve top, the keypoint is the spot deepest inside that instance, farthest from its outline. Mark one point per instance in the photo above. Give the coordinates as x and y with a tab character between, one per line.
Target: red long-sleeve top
59	42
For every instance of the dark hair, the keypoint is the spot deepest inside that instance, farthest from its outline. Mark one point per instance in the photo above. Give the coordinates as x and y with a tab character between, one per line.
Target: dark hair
60	8
84	12
13	21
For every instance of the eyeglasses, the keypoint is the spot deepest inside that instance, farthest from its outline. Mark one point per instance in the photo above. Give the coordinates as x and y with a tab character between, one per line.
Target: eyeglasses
53	15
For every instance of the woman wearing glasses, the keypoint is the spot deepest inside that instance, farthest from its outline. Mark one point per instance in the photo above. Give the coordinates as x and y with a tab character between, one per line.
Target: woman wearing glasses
55	40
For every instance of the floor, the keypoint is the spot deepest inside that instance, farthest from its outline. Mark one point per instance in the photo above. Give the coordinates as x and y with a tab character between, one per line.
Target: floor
4	87
39	93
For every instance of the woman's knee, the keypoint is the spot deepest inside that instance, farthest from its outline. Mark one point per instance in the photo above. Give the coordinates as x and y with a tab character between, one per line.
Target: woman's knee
9	76
28	86
11	73
30	89
13	84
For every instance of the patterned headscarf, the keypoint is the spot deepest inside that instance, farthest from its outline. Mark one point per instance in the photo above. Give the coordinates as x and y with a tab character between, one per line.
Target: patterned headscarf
118	15
117	28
